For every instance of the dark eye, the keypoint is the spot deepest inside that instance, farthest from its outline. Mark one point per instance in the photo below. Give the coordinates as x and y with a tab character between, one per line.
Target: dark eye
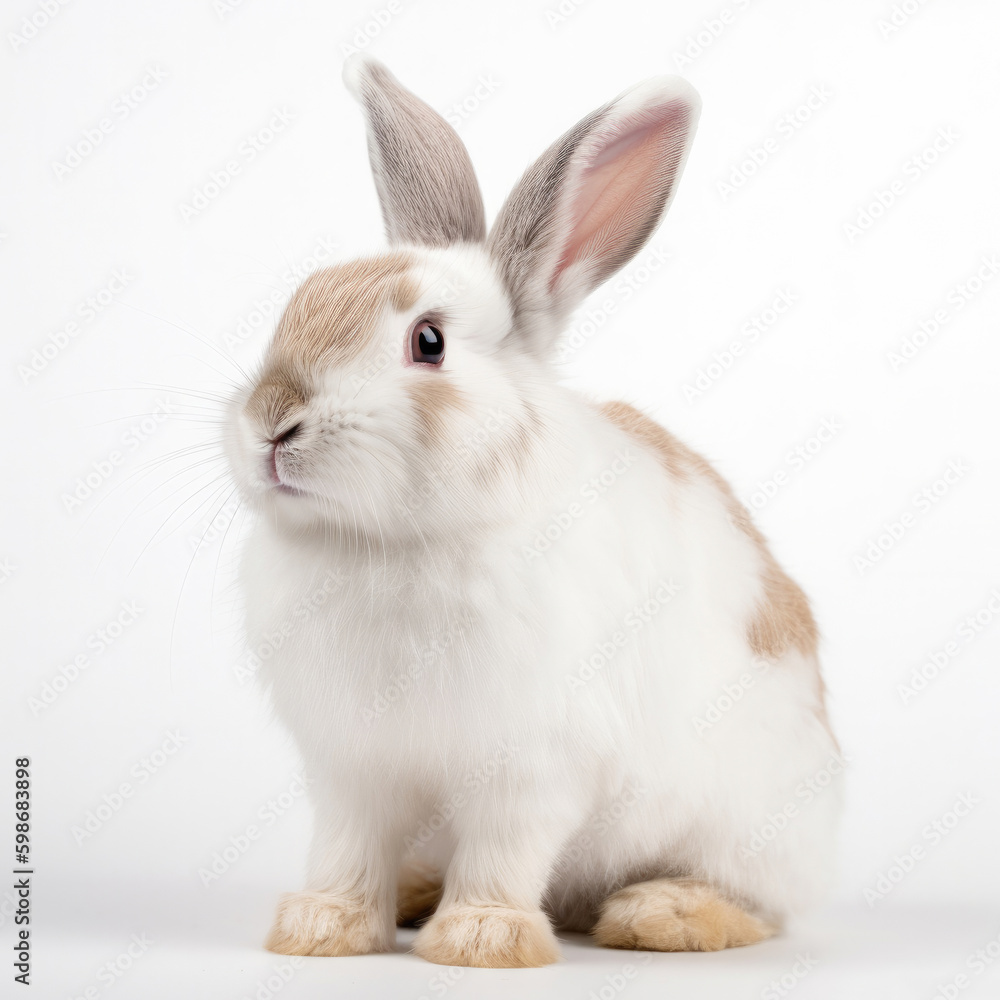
427	343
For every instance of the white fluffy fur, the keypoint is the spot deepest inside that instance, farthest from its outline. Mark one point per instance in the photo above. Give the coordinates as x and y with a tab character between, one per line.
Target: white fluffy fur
429	685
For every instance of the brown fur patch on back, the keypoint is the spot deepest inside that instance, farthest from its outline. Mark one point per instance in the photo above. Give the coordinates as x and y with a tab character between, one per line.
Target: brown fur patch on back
675	457
782	619
332	315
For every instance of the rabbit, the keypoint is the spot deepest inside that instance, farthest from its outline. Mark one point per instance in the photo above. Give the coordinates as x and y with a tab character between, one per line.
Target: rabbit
543	671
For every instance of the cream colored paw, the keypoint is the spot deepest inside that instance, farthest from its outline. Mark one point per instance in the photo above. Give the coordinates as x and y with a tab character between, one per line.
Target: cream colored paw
418	894
489	937
318	923
676	915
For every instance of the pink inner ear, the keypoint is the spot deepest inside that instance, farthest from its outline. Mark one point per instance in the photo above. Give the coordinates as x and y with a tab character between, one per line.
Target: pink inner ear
620	190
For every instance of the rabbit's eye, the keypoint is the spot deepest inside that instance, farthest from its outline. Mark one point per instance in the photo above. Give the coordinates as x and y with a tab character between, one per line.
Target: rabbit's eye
427	343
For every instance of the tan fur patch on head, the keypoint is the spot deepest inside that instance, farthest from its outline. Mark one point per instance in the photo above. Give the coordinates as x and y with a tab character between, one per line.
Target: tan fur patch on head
279	392
433	397
782	619
328	322
333	314
508	458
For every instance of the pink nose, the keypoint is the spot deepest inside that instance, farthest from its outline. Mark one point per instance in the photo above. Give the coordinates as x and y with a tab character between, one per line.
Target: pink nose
276	442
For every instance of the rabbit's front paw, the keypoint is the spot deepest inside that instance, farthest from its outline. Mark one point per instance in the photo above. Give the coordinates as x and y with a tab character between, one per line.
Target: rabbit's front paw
490	937
320	923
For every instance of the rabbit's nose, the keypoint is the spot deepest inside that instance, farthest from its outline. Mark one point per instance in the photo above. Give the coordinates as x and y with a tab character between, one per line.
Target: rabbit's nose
286	435
276	444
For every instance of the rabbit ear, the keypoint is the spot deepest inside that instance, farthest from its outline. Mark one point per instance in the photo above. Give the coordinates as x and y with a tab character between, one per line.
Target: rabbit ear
425	181
591	201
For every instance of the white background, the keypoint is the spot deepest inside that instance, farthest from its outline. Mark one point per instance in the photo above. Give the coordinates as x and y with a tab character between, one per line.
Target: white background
168	341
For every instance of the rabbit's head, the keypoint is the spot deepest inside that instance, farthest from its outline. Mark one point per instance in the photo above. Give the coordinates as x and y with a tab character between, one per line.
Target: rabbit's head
409	393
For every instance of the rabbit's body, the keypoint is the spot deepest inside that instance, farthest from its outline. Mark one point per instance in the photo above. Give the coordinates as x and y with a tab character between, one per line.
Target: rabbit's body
525	643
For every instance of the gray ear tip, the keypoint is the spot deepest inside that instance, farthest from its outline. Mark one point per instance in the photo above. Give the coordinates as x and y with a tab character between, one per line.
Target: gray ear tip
359	69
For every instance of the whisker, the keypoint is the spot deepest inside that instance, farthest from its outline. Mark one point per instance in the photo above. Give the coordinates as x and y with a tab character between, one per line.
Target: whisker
193	334
180	595
145	469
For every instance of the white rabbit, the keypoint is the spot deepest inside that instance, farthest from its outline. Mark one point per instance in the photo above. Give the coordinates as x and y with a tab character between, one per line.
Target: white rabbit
540	665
